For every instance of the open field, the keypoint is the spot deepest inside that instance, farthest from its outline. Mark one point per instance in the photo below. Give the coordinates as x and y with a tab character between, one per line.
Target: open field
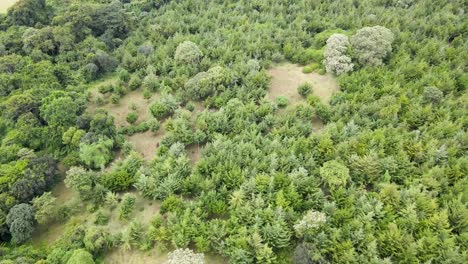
5	4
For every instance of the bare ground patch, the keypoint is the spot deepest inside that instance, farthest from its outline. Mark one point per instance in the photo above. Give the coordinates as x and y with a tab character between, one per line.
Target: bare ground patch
5	4
287	77
146	143
121	256
194	153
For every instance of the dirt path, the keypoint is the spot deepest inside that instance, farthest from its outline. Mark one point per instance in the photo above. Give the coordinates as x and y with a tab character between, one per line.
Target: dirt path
287	77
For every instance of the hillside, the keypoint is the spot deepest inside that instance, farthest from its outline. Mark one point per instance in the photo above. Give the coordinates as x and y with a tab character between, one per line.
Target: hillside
268	131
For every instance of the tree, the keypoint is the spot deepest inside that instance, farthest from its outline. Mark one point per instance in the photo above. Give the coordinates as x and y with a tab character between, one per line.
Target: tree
80	256
95	239
81	181
188	52
311	220
97	155
21	221
432	94
28	12
47	208
185	256
334	174
336	61
62	112
371	45
207	83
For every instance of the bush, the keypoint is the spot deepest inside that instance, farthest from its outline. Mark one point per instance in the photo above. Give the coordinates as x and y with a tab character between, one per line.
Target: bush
310	68
134	83
282	101
117	180
188	52
304	89
154	125
132	117
126	206
433	95
80	256
164	108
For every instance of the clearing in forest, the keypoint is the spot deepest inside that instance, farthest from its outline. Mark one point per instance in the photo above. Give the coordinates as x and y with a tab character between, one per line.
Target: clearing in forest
287	77
144	143
5	4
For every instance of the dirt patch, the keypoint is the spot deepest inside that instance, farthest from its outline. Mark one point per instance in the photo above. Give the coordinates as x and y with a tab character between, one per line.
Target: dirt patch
146	143
5	4
287	77
120	256
194	153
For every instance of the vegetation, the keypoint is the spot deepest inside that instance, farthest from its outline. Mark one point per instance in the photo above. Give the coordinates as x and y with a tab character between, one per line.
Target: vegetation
375	174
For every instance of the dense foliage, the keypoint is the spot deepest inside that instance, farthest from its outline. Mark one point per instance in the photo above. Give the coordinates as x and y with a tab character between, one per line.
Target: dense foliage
384	181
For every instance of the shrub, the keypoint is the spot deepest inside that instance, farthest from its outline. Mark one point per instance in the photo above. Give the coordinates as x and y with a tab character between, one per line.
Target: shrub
151	83
46	208
172	203
336	61
304	89
188	52
80	256
190	106
90	72
334	174
165	107
154	125
372	44
115	99
433	95
100	218
310	220
126	206
282	101
134	83
117	180
310	68
132	117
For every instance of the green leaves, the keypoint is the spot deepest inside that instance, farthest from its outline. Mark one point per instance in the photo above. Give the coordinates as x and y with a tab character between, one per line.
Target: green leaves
334	174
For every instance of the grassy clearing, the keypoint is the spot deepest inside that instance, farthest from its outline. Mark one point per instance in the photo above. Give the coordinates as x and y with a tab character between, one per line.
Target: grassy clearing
5	4
287	77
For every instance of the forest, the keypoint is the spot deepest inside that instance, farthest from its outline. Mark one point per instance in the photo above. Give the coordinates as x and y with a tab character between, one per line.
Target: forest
241	132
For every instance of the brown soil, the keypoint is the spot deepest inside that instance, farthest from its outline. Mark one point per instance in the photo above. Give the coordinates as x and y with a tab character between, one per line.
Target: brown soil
194	153
146	143
120	256
287	77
